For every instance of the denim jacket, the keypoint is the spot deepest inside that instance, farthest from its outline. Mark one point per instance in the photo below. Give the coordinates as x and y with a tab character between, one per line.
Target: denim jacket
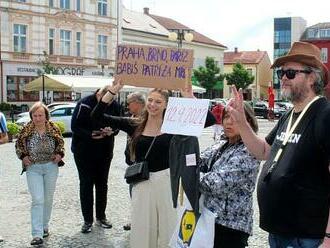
228	184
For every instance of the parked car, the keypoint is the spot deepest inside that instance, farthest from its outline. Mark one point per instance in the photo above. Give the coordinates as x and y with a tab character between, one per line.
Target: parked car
22	115
261	109
49	106
54	104
223	101
215	101
62	113
285	105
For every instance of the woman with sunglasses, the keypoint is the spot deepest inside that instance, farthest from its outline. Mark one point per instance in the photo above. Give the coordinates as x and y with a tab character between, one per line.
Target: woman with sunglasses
228	182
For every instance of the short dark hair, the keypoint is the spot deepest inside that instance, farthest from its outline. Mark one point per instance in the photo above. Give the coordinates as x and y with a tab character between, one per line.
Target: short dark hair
250	116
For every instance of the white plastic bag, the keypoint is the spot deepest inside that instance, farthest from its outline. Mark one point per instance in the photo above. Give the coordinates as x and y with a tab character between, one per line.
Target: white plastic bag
192	231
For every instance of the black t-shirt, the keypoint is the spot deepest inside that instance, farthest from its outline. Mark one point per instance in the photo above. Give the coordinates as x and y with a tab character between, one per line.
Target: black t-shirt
295	199
158	155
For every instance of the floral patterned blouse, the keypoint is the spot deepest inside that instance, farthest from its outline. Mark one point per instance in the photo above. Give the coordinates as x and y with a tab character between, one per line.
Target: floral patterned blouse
228	182
40	148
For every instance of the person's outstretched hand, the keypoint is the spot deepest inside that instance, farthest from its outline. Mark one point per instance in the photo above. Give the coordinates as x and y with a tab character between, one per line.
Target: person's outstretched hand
187	91
235	107
116	86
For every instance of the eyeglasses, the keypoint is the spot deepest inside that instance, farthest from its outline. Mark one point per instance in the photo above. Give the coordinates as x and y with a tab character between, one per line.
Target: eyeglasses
290	73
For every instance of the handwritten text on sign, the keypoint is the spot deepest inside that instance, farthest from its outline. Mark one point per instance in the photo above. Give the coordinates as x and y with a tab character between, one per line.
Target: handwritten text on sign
185	116
151	66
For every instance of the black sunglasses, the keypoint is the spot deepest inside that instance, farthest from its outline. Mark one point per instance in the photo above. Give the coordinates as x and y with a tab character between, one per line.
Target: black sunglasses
290	73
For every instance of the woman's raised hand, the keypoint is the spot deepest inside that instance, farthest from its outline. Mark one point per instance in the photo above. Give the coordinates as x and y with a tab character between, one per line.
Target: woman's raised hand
116	86
235	107
187	91
112	91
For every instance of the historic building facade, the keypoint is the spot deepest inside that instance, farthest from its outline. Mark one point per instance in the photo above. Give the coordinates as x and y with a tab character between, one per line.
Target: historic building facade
79	38
257	63
319	35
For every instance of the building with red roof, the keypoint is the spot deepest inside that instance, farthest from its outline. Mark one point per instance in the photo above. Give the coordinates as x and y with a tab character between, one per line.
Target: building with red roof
257	63
319	35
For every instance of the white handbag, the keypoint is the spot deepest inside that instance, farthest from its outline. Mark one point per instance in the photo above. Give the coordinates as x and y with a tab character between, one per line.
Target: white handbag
194	231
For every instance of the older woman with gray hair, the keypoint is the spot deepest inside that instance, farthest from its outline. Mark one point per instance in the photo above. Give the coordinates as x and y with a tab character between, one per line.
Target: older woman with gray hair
135	103
40	146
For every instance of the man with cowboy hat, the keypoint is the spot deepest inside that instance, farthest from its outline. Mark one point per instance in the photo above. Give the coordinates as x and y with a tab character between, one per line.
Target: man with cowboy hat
294	184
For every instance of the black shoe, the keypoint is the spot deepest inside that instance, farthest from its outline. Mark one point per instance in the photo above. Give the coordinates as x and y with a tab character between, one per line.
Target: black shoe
46	233
86	227
36	241
104	223
127	227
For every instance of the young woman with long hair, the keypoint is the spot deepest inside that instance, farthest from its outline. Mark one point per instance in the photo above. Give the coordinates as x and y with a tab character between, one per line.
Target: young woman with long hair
153	215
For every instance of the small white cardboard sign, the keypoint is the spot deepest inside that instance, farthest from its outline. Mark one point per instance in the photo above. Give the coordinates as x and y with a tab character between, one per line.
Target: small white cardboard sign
191	159
185	116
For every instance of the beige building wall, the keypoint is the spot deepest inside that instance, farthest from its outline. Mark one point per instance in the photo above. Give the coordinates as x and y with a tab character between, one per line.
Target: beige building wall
265	77
39	17
262	78
201	51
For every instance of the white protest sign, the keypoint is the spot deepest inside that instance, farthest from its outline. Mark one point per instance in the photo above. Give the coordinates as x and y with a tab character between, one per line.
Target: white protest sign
185	116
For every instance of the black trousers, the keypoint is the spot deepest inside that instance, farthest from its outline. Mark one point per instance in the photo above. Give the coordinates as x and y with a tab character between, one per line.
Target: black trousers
225	237
93	171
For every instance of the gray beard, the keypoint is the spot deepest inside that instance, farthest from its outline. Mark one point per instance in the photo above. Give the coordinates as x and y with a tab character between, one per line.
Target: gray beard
294	96
286	95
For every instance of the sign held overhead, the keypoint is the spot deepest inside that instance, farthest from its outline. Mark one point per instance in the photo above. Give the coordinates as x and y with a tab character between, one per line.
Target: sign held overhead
185	116
153	66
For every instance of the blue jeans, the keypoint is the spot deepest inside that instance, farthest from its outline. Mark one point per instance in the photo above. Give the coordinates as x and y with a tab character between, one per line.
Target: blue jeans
41	180
278	241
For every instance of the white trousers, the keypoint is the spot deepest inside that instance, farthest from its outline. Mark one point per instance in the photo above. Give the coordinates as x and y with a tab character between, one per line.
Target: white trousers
153	216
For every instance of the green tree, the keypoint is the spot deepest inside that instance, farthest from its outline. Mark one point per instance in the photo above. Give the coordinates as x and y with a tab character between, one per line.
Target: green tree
240	77
47	67
209	75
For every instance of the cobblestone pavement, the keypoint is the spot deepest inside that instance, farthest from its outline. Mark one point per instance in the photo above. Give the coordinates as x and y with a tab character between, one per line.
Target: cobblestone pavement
66	216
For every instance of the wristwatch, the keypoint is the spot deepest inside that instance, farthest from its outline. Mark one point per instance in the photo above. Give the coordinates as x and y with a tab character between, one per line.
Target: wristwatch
327	235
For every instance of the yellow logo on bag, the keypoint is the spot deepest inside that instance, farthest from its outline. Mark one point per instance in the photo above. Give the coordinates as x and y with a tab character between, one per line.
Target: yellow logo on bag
187	226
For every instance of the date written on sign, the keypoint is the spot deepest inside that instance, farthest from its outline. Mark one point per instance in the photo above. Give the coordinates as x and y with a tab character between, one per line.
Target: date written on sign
185	116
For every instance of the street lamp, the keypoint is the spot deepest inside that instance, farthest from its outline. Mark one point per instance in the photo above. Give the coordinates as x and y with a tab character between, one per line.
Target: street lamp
43	88
180	34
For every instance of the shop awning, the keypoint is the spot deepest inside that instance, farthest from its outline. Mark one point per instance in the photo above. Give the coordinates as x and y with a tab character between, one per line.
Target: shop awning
50	82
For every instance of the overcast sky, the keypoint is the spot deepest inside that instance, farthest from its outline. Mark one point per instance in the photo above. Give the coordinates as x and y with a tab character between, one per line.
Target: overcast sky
247	25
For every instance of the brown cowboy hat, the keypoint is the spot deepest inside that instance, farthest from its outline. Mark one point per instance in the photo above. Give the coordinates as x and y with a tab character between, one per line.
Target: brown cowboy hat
304	53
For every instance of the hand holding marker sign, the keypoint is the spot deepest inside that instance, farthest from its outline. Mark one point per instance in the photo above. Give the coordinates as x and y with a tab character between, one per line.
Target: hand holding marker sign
169	68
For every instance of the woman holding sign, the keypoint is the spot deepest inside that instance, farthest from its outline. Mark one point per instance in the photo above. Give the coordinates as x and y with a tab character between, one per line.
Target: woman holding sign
228	183
153	216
